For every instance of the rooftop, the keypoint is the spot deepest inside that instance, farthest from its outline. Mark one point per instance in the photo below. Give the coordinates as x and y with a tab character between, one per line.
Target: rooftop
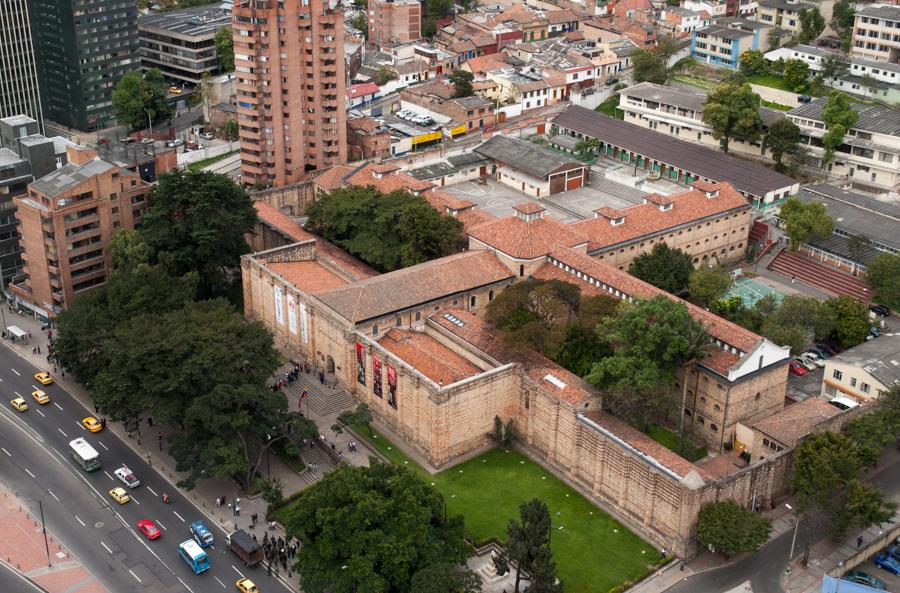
525	156
68	176
200	21
879	357
786	4
796	421
881	11
724	32
746	176
527	239
857	214
428	356
872	118
309	276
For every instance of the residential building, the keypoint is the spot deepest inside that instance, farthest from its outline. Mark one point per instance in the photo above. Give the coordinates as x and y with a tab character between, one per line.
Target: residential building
864	371
870	154
394	21
181	43
81	54
722	43
19	91
681	22
291	105
67	219
367	139
714	8
661	156
437	96
876	33
788	427
783	14
360	94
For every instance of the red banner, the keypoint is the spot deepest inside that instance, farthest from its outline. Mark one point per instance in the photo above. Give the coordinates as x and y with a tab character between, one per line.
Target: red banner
392	386
361	363
376	375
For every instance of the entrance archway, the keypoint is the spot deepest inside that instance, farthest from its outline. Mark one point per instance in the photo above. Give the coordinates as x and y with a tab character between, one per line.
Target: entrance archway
329	365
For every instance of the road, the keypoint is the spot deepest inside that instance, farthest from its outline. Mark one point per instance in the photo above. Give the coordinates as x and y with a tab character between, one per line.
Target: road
35	463
10	580
764	569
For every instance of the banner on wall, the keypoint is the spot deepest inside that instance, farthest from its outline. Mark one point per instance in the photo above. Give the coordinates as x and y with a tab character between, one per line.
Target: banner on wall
392	386
292	313
376	375
361	363
304	324
279	312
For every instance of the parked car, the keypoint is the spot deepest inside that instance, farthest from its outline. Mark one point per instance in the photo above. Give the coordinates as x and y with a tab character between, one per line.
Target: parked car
864	578
611	81
796	368
804	98
889	559
814	357
176	143
146	140
820	352
176	90
829	350
805	362
880	310
206	136
874	331
843	402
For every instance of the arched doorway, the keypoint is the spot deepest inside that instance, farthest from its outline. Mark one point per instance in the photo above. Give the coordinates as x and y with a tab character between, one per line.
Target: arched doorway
329	365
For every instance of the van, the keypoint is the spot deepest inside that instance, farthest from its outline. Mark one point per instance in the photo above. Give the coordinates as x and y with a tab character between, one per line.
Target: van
201	534
844	403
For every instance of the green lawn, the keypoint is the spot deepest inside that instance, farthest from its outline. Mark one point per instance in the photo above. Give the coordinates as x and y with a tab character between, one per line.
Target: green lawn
194	167
669	440
698	82
610	107
774	105
770	80
593	551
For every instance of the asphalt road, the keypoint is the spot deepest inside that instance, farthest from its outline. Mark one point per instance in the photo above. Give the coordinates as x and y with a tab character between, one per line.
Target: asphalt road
764	569
12	581
35	463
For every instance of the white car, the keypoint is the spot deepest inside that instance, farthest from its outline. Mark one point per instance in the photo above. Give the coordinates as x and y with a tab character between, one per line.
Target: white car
175	143
128	478
814	358
805	362
206	136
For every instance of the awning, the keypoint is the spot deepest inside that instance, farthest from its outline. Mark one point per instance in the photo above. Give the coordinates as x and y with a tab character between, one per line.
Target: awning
17	331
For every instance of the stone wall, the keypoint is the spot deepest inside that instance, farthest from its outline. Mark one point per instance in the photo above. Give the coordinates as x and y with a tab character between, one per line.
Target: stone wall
289	199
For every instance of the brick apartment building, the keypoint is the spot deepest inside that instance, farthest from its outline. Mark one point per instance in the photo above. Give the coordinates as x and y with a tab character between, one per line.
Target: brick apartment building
67	220
290	89
394	21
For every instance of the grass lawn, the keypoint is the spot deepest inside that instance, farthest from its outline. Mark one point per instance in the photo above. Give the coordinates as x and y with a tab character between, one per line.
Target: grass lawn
774	105
669	440
610	107
194	167
698	82
593	551
770	80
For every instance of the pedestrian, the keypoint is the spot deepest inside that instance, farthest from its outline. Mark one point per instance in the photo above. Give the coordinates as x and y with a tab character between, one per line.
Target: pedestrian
149	420
63	373
662	554
224	500
254	538
859	542
149	462
269	568
218	502
39	349
266	539
234	510
34	350
29	334
253	518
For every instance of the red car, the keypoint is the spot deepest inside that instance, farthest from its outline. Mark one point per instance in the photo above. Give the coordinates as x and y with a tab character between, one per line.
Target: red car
149	528
797	368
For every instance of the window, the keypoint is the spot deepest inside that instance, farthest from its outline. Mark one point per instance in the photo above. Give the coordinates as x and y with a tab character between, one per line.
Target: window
713	427
830	390
375	330
397	321
418	315
491	295
701	420
837	374
853	382
521	271
864	387
757	396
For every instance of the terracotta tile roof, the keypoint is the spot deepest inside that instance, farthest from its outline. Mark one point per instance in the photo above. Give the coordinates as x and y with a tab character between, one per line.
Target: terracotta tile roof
463	45
443	201
796	421
484	40
473	218
721	329
482	64
565	15
351	266
429	281
360	90
386	179
646	445
647	219
574	35
529	208
534	85
527	240
309	276
428	356
483	85
364	124
719	360
486	338
332	178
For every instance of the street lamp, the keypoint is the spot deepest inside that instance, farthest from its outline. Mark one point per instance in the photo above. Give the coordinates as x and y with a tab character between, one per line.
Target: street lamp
794	538
43	526
149	121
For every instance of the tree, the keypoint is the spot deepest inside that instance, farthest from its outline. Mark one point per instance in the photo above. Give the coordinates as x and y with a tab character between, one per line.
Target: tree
361	23
796	75
229	130
812	23
850	319
839	117
823	463
796	321
387	231
362	415
225	48
754	63
196	223
731	529
805	221
534	314
385	75
649	66
666	47
864	506
782	139
732	111
587	148
445	578
708	285
843	13
580	348
528	546
372	529
664	267
139	98
127	249
833	67
462	82
884	277
774	37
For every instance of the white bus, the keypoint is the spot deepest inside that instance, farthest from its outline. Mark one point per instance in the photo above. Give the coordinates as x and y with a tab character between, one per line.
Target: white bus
85	455
194	555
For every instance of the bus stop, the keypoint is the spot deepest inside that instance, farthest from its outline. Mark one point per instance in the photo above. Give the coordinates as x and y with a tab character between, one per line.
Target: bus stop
14	332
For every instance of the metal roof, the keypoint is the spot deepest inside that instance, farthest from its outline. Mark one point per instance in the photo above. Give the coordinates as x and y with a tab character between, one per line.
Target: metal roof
746	176
201	21
879	357
872	118
64	178
525	156
857	214
891	13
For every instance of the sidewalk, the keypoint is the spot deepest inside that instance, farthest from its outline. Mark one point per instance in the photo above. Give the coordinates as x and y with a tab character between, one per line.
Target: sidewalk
22	548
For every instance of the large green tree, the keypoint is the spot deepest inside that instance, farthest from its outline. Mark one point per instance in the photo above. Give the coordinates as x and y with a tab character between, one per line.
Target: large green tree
732	111
708	285
649	66
796	75
850	319
839	116
528	547
387	231
139	98
225	48
782	139
372	529
664	267
798	320
812	23
833	67
534	314
462	82
445	578
805	221
731	529
883	276
196	223
754	63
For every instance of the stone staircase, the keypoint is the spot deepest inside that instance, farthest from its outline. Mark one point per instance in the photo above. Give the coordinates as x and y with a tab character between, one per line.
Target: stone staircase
825	278
620	190
322	400
309	457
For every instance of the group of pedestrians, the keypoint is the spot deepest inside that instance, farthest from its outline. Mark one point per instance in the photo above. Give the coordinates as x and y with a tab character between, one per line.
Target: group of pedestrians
279	551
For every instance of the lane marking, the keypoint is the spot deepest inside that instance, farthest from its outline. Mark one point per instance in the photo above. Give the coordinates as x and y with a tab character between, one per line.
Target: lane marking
15	371
28	471
105	547
109	476
80	521
220	582
179	516
39	412
17	394
82	427
134	500
135	576
151	491
59	407
237	571
5	451
100	442
35	387
161	525
62	433
54	495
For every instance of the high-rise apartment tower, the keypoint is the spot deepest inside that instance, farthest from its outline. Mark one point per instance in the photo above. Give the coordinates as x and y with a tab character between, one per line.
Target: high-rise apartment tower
289	63
19	92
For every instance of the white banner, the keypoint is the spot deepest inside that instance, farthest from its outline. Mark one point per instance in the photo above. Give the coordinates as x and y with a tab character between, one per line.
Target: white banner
292	313
304	331
279	312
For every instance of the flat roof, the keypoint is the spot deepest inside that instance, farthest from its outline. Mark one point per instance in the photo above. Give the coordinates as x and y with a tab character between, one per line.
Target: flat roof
200	21
879	357
785	4
746	176
724	32
68	176
882	11
872	118
856	213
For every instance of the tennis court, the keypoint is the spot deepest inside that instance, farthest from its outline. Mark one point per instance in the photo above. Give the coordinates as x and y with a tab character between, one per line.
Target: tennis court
751	291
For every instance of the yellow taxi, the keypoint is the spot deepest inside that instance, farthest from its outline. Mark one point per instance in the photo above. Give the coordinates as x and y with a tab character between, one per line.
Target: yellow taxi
19	404
40	397
119	495
245	585
44	378
175	90
92	424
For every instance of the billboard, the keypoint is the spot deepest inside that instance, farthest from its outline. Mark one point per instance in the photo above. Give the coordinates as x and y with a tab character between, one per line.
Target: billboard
376	375
292	313
279	312
392	386
361	363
